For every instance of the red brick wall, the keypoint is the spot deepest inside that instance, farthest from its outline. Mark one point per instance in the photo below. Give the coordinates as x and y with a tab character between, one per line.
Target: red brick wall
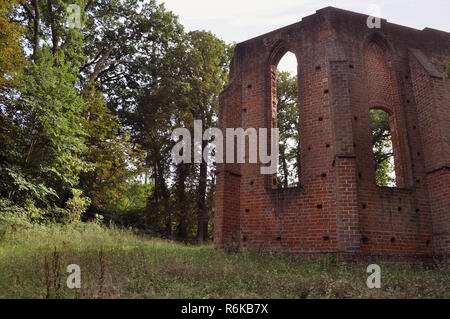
344	70
432	94
440	206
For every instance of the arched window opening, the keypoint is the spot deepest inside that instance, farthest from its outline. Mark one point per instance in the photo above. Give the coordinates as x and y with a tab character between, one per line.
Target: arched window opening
287	121
382	146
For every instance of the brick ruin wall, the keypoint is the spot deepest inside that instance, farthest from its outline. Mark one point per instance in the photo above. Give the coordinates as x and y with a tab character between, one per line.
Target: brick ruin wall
344	70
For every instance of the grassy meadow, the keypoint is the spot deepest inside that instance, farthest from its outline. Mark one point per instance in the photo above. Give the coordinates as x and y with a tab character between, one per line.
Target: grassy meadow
116	263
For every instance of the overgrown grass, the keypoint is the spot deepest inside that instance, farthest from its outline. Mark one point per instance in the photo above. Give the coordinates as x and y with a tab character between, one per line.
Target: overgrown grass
118	264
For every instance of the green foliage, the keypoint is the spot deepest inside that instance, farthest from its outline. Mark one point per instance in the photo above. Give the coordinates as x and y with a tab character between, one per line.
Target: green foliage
12	215
115	160
51	136
203	60
134	198
48	134
288	126
12	60
28	214
382	148
95	108
76	206
20	182
180	85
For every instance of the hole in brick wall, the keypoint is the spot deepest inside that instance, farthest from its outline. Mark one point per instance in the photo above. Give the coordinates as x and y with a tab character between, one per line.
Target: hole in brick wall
392	239
279	238
418	154
356	118
351	66
319	206
334	163
309	148
318	68
252	182
354	145
327	145
324	175
288	117
244	110
320	118
406	77
247	210
418	181
359	175
365	240
428	242
364	206
414	127
325	91
417	210
408	101
249	86
399	209
381	126
325	238
244	239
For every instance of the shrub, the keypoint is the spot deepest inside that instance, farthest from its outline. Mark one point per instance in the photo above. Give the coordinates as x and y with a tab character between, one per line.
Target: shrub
17	216
75	207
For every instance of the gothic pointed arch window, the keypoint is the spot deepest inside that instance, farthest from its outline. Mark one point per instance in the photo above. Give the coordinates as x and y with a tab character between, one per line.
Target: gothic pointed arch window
285	117
383	108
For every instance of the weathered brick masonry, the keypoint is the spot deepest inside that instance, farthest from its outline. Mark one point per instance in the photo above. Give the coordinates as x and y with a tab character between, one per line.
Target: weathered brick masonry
344	70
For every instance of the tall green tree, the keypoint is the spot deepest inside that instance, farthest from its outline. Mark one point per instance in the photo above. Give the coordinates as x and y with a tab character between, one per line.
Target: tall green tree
12	60
127	44
205	61
43	160
96	93
114	159
62	131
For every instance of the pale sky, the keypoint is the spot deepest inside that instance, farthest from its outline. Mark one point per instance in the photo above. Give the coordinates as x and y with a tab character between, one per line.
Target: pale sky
240	20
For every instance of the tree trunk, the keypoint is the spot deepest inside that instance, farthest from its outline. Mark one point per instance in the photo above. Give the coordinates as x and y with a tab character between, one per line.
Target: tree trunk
53	28
36	26
166	213
181	202
158	210
202	216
